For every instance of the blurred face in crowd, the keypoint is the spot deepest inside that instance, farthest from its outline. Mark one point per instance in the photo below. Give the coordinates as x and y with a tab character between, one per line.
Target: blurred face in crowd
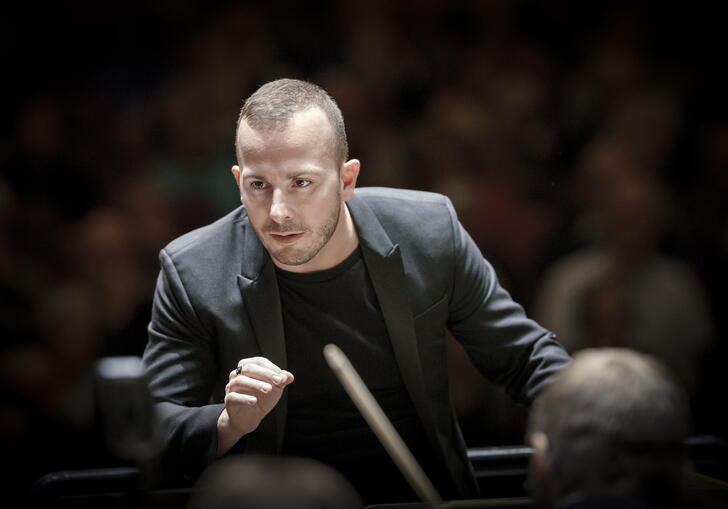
632	211
294	191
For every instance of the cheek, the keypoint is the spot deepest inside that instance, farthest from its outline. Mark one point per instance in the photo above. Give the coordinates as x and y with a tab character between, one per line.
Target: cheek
317	210
256	213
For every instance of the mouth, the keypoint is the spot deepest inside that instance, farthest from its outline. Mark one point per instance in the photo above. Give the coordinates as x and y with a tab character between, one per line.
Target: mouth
286	238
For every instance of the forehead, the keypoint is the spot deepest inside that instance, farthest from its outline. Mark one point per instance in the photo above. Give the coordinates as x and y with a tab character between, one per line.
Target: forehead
307	132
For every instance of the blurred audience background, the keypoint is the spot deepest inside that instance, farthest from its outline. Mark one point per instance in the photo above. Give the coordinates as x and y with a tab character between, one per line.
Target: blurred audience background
585	148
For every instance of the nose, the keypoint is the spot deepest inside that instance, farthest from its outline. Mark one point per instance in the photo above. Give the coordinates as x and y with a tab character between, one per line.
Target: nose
280	209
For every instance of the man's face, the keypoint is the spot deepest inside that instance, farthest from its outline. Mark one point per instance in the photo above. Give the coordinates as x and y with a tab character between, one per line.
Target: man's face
291	187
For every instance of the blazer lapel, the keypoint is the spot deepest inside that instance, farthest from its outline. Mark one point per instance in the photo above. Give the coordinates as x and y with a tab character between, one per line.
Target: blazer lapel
261	301
386	270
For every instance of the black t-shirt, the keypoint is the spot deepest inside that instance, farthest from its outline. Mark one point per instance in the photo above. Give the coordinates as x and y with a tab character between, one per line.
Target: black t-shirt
339	306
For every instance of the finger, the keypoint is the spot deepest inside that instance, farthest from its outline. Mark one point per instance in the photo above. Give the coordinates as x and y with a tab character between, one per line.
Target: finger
261	361
266	363
247	385
237	398
259	372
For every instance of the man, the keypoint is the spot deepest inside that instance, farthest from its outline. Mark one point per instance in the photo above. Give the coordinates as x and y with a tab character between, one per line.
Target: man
609	432
308	261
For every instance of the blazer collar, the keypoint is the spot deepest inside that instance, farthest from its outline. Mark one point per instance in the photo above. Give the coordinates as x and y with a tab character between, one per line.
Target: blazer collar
254	255
369	229
386	269
261	301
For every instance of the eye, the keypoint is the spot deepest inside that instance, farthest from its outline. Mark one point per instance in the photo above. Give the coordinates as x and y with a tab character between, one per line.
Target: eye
257	185
302	182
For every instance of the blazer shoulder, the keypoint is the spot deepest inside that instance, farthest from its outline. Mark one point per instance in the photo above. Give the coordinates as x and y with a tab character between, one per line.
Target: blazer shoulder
423	220
209	235
392	196
407	206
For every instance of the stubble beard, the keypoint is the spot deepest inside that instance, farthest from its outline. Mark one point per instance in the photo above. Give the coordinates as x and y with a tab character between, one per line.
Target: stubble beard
295	256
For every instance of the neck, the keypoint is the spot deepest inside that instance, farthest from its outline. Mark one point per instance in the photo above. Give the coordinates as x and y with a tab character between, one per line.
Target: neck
341	244
348	229
344	240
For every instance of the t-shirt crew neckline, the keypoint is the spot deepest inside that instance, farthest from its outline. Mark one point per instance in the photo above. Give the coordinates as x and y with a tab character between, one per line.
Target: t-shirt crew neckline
322	275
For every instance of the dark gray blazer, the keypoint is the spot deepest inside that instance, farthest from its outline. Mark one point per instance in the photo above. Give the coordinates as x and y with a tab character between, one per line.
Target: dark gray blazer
217	302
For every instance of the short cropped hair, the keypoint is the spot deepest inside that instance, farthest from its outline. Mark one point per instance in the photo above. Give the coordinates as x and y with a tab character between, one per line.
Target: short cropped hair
272	105
616	421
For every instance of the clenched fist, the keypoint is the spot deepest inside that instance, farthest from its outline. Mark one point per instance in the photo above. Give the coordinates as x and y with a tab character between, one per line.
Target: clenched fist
252	391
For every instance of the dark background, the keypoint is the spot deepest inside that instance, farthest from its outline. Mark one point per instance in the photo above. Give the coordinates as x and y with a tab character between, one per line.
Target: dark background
117	135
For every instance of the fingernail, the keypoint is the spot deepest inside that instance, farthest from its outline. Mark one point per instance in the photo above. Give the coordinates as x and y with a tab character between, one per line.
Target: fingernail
277	378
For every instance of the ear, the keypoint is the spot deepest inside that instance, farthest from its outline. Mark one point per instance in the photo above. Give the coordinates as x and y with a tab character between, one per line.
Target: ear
540	444
540	466
236	174
349	174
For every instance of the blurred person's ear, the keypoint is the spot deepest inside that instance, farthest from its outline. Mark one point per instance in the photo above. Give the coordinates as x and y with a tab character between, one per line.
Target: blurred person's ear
540	470
540	459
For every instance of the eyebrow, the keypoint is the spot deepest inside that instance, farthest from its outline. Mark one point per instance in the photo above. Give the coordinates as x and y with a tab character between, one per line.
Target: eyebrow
249	176
290	176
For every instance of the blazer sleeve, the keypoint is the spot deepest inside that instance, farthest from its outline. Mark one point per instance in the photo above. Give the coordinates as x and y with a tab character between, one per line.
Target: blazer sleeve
505	345
180	368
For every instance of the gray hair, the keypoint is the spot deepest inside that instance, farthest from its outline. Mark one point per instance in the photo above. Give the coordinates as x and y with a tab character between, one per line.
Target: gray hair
616	422
272	105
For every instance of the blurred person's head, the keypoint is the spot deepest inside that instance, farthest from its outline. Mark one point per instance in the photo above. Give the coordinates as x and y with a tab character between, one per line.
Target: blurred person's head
600	162
631	213
714	154
617	63
612	423
351	97
103	245
102	250
272	482
143	201
648	124
7	206
606	313
70	325
38	130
